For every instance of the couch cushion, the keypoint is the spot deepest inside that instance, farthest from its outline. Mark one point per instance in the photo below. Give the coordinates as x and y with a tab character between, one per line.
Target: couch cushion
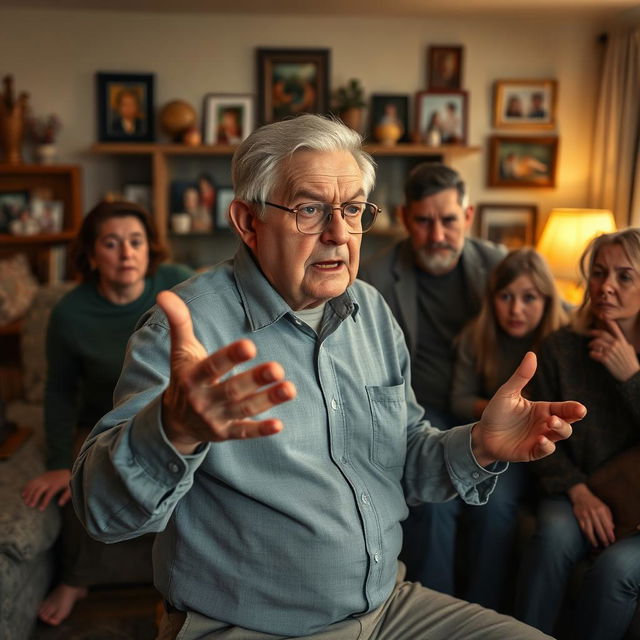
17	287
34	338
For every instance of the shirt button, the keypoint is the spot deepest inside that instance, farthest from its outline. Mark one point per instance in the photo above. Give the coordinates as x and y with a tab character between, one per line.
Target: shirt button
376	556
173	467
334	404
475	475
365	498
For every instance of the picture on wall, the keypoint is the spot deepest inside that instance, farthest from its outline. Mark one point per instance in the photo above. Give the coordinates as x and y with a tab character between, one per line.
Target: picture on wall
525	104
291	81
513	225
519	161
444	111
387	109
197	199
228	118
444	67
125	107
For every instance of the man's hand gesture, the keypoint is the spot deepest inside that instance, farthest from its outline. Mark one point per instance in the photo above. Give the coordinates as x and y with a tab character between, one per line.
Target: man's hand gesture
197	406
514	429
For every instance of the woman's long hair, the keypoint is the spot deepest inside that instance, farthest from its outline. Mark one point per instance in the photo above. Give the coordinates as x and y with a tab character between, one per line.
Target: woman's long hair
484	328
629	239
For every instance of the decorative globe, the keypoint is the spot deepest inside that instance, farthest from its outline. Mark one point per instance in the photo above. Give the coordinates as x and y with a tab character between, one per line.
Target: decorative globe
176	117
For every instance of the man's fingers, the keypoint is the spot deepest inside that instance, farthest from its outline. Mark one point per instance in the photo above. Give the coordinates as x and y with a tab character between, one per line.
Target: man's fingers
214	366
180	324
261	401
240	386
243	429
569	410
521	376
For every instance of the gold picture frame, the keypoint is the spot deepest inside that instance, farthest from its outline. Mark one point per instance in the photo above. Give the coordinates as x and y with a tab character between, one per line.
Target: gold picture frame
525	104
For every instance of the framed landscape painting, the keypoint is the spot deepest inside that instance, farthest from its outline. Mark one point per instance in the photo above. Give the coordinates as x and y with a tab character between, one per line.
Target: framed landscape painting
292	81
513	225
520	161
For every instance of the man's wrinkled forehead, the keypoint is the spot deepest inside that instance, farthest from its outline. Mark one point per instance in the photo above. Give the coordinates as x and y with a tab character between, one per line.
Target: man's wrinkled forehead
308	174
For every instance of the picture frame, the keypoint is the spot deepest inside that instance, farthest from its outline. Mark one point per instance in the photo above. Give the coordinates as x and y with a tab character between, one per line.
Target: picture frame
13	206
522	161
125	107
444	67
225	198
195	198
525	104
139	193
390	106
513	225
290	82
445	111
228	117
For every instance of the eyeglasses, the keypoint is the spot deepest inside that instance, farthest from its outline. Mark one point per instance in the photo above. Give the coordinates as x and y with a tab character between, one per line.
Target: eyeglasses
312	218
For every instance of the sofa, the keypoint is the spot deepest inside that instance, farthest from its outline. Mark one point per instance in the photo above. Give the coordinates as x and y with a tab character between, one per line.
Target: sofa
28	536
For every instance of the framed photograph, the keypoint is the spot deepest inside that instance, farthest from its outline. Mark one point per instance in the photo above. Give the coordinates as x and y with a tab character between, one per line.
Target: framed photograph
13	205
513	225
444	67
138	193
444	111
49	214
390	108
125	107
524	104
519	161
225	198
228	118
292	81
195	198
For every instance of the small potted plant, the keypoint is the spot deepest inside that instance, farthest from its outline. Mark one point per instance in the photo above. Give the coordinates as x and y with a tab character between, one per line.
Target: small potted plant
349	103
43	132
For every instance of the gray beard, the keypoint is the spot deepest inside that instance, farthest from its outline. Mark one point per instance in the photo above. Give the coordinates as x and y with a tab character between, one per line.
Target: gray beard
437	264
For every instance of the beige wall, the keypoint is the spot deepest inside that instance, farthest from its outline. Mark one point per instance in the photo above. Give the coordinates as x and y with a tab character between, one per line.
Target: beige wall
54	55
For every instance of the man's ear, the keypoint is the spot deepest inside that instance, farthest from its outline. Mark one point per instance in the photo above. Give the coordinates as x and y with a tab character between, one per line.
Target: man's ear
242	218
469	214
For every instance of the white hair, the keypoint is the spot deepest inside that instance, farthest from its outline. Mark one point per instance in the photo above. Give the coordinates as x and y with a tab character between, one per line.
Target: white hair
258	161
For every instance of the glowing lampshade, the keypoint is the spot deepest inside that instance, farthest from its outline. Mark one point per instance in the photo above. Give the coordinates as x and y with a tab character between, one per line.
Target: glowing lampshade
564	237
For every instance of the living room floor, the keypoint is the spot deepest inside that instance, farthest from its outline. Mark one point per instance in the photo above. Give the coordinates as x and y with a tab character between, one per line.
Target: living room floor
108	613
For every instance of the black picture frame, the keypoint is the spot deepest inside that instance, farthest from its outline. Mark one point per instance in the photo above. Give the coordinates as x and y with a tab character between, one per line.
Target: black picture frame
290	82
117	91
380	104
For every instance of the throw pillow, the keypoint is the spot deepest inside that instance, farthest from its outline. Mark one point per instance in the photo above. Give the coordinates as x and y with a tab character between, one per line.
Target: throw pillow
17	288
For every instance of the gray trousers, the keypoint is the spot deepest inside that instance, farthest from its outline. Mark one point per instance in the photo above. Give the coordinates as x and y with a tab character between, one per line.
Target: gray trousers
411	612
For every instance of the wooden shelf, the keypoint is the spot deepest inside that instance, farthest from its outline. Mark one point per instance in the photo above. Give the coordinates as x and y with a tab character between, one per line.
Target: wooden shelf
38	238
410	149
130	148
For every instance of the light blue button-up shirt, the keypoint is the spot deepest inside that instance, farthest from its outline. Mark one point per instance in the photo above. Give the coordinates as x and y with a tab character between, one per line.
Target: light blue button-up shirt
290	533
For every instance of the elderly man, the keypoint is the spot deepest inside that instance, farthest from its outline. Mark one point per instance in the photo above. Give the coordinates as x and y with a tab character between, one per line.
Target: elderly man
278	501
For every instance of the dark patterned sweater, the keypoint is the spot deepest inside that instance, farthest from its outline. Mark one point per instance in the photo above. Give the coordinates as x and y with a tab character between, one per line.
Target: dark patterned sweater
612	423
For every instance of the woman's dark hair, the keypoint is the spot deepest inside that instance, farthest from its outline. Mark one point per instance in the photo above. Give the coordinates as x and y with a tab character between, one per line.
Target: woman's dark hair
84	244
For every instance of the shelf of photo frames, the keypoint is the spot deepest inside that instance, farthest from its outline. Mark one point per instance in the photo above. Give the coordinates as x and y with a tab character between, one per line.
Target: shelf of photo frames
160	154
46	250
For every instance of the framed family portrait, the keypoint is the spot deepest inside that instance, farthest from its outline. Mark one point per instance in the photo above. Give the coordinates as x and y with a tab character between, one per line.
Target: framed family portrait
520	161
445	111
444	67
389	108
525	104
513	225
228	118
291	81
125	107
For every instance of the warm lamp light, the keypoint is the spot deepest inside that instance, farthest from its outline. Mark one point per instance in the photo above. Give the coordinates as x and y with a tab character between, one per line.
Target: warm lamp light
564	237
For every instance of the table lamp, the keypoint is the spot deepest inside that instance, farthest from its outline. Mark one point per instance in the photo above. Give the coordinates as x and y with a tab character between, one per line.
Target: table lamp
564	237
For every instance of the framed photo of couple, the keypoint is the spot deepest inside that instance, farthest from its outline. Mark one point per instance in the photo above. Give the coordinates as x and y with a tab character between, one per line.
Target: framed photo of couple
525	104
443	111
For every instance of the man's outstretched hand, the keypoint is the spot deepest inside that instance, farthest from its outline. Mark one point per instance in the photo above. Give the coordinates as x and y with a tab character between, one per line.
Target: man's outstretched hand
514	429
198	406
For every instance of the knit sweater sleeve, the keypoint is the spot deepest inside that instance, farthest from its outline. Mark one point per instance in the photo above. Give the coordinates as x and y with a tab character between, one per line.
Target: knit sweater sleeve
61	393
557	473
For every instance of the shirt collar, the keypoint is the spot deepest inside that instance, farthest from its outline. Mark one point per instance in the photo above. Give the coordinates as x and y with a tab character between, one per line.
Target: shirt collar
263	305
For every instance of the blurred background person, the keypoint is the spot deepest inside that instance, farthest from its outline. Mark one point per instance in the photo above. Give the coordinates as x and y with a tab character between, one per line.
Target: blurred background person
594	360
119	257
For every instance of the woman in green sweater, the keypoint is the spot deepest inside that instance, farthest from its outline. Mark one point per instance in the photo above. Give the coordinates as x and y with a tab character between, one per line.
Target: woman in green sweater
118	256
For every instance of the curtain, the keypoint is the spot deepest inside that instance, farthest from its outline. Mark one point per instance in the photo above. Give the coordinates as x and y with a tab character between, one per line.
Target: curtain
615	167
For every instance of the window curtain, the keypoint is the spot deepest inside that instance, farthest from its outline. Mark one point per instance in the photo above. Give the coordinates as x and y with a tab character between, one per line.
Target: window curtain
615	169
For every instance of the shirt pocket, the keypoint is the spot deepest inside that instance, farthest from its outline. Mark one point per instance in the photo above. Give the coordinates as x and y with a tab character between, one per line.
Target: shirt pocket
389	425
